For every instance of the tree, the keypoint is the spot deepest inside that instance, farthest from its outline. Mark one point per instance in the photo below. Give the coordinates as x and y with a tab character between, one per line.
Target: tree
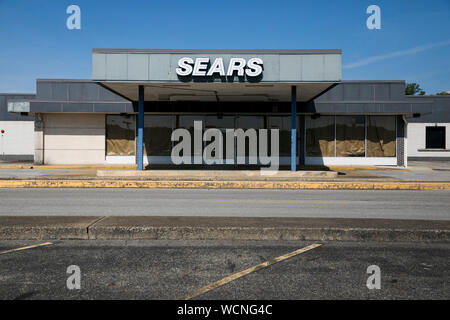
412	89
443	93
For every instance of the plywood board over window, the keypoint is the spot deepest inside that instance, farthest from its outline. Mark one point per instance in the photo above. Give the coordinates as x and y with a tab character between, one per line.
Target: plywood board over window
320	140
120	135
350	134
353	136
381	136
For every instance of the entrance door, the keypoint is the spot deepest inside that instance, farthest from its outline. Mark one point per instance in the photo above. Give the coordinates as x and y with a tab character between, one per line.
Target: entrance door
222	123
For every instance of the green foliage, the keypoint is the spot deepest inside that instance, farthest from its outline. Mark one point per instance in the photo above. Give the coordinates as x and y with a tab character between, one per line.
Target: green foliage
412	89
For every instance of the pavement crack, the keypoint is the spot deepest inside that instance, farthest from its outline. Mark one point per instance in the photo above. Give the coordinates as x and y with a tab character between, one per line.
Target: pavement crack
93	223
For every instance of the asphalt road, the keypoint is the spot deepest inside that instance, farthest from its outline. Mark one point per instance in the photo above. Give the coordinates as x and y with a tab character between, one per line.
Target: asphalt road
169	270
433	205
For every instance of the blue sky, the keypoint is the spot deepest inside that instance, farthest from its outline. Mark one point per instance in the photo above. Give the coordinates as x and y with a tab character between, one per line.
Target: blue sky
413	43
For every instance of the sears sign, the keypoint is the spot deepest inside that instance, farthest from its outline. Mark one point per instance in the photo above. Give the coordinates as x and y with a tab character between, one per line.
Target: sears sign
203	67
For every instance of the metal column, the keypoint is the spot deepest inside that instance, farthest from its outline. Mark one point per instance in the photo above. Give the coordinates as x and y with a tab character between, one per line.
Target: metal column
140	131
294	128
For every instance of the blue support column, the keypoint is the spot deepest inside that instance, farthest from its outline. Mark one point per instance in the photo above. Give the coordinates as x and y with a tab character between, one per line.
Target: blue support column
140	131
293	128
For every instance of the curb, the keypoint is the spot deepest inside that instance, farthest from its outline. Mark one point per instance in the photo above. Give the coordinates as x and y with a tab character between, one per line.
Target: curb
225	185
51	228
222	228
286	234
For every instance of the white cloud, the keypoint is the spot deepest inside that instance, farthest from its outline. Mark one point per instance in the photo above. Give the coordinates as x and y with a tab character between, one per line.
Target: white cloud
395	54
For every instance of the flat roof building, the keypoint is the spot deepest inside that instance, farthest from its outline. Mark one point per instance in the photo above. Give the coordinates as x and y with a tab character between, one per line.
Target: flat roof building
429	135
16	130
136	99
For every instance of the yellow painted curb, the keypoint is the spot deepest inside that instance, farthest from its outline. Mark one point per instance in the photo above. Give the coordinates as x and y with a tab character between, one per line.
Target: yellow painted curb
225	184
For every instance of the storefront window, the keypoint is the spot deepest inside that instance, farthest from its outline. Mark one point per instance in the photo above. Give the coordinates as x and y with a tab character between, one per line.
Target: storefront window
381	136
249	122
120	135
157	132
320	136
435	137
221	123
187	122
350	134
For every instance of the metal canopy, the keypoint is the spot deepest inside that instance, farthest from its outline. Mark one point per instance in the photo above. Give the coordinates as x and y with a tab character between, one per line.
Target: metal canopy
224	92
123	70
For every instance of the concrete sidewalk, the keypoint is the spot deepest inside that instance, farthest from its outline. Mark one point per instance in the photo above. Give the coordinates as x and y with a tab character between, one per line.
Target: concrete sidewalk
222	228
217	175
418	176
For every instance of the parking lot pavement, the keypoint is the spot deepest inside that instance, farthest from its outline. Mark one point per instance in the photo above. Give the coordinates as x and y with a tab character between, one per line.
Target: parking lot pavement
173	269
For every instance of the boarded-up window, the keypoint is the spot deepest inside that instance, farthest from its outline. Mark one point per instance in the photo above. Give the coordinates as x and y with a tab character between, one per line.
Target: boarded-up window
157	132
350	133
320	136
381	136
120	135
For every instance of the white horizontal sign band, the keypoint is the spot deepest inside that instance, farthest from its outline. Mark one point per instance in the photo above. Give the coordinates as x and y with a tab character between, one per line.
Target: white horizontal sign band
201	67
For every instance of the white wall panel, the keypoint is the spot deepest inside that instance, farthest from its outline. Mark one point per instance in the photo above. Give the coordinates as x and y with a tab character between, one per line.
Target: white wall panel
417	138
18	138
74	138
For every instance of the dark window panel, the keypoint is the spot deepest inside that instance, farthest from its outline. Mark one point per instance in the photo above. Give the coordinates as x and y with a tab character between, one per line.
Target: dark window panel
435	137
